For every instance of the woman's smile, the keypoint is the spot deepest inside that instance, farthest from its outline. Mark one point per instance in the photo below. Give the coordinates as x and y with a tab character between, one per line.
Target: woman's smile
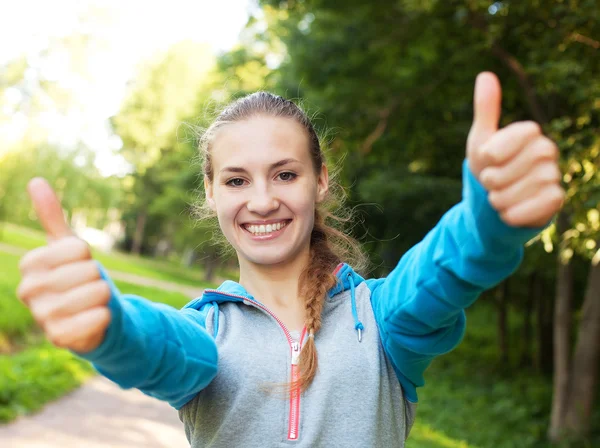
267	230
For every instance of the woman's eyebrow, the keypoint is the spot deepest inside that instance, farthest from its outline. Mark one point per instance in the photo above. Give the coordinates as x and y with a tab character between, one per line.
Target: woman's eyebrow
239	169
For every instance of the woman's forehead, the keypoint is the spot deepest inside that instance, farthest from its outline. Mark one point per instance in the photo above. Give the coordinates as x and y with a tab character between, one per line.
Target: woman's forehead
260	140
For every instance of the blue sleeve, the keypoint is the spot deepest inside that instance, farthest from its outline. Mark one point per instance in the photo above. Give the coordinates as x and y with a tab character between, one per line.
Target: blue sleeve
419	306
165	353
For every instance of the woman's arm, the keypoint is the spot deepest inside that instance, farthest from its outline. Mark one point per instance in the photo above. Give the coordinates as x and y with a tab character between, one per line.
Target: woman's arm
420	305
166	353
478	243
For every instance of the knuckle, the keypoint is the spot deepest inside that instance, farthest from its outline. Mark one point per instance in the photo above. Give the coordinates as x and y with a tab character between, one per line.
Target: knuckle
103	291
54	334
531	127
557	195
29	287
31	259
547	149
488	155
488	178
22	289
24	263
508	218
495	199
81	247
92	269
39	312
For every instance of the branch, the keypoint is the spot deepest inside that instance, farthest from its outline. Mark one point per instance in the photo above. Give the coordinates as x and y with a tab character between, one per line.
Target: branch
376	134
479	23
515	66
584	40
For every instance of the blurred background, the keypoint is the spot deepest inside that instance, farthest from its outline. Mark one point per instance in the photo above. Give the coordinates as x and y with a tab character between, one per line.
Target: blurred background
103	99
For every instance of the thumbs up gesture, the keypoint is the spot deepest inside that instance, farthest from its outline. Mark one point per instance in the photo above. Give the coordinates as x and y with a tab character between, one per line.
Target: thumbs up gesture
61	282
517	165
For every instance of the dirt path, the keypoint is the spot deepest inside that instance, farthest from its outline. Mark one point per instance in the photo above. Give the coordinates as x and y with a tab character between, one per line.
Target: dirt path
100	414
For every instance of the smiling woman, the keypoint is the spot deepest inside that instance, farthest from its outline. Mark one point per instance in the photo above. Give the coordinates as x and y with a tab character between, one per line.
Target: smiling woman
348	353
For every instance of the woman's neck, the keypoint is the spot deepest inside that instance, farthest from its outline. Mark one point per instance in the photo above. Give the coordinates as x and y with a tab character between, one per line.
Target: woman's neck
275	285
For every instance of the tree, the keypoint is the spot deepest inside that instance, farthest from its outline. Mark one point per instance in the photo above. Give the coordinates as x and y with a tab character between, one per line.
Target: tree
396	80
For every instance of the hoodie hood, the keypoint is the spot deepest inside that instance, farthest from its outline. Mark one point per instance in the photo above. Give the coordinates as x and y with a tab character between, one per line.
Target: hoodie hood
231	291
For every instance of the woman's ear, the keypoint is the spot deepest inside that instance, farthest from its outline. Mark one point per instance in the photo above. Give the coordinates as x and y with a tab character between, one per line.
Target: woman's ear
208	189
322	184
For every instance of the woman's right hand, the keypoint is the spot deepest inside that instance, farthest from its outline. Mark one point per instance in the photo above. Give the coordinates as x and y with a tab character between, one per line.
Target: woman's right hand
61	283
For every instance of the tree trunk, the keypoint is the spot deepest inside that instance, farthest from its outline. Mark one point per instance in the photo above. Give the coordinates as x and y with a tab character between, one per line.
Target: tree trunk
562	336
210	265
502	299
526	358
138	236
544	313
585	360
189	257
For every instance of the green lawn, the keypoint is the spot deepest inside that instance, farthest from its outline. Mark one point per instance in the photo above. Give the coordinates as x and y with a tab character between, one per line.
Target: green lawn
143	266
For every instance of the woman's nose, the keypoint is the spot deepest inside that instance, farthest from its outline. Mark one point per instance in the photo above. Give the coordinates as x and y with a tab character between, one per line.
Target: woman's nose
262	201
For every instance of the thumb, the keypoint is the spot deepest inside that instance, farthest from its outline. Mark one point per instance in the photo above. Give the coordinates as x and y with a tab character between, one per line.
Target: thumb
48	209
487	101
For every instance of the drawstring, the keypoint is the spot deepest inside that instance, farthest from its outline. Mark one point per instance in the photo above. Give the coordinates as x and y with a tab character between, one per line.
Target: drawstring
358	326
215	319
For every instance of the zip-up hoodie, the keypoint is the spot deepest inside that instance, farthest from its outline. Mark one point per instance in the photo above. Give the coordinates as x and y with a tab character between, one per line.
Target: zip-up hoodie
216	360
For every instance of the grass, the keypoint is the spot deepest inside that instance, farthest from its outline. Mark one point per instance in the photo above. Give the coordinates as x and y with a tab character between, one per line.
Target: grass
37	375
146	267
15	319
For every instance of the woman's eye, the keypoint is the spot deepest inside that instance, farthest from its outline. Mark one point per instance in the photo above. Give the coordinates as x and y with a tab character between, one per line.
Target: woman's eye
237	182
287	176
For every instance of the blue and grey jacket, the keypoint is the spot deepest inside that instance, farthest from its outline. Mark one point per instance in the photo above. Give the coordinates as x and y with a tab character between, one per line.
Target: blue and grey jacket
216	359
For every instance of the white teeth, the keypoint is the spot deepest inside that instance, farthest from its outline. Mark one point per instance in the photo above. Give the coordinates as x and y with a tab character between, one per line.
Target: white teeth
265	229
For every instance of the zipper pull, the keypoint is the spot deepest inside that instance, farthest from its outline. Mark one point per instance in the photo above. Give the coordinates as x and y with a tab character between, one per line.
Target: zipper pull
295	352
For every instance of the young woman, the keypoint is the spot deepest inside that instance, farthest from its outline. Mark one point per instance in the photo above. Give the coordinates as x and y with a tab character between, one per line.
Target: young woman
347	352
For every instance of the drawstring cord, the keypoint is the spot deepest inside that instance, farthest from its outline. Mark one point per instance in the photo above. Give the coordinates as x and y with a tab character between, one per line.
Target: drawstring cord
358	326
215	319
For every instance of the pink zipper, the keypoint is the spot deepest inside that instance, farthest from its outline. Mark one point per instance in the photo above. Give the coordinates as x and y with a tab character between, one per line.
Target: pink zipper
294	418
295	347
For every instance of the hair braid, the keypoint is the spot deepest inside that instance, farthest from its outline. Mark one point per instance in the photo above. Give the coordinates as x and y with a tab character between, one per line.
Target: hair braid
315	281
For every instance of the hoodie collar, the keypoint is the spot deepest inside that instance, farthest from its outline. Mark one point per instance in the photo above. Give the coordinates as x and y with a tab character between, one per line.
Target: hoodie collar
232	291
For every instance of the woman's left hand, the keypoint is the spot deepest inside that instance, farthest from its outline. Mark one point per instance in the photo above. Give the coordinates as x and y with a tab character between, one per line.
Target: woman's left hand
517	164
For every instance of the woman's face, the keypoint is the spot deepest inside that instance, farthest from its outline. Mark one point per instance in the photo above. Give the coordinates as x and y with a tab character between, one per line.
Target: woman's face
264	188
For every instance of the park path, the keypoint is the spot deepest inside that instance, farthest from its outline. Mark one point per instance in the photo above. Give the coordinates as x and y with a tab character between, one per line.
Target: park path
189	291
100	414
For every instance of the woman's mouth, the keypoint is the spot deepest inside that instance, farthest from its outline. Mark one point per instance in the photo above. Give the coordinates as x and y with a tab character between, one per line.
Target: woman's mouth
266	231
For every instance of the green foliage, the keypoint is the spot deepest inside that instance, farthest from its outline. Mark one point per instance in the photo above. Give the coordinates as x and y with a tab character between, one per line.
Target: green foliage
469	397
72	175
15	318
35	376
